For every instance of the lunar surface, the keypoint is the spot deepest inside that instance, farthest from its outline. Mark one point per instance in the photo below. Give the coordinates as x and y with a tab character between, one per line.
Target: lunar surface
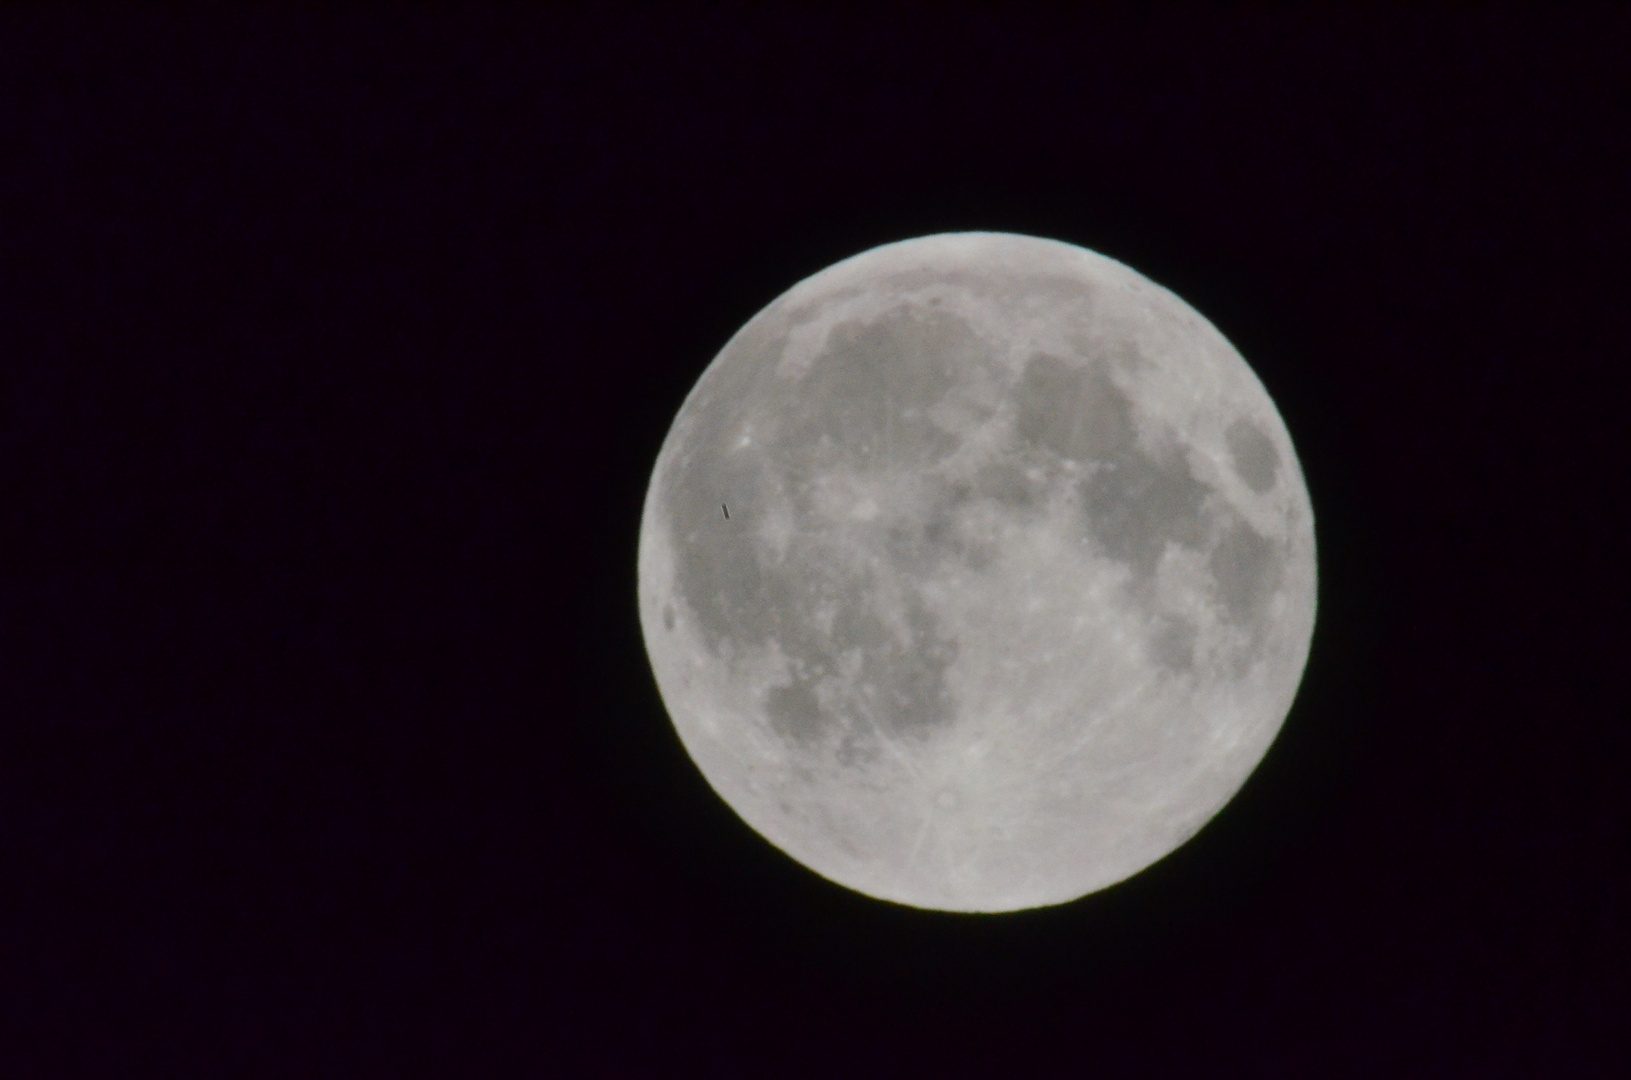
977	572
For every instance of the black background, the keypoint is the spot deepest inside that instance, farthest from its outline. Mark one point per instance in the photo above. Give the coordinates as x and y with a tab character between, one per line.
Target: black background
334	355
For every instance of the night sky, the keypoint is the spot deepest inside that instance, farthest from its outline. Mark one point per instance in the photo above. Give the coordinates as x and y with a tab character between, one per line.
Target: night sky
335	352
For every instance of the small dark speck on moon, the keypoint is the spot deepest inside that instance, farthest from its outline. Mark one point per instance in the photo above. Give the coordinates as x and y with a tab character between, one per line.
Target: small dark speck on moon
727	511
668	617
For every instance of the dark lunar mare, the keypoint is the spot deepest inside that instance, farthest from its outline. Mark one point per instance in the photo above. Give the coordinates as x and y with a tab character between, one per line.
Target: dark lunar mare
1173	645
1074	411
860	409
1134	503
1247	573
1255	459
863	405
717	571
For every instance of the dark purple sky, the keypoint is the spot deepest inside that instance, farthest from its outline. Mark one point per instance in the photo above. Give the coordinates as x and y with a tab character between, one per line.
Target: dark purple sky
335	352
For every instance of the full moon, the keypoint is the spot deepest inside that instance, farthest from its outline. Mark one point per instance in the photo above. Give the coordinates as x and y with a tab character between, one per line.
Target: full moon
977	572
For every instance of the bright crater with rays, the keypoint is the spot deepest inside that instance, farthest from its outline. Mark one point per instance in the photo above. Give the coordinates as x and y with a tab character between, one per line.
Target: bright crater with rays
977	572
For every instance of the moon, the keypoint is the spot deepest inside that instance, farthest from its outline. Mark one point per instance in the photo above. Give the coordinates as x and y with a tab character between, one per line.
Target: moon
977	572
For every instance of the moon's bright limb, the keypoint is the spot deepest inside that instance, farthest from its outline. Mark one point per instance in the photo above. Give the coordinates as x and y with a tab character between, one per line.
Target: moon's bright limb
977	572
